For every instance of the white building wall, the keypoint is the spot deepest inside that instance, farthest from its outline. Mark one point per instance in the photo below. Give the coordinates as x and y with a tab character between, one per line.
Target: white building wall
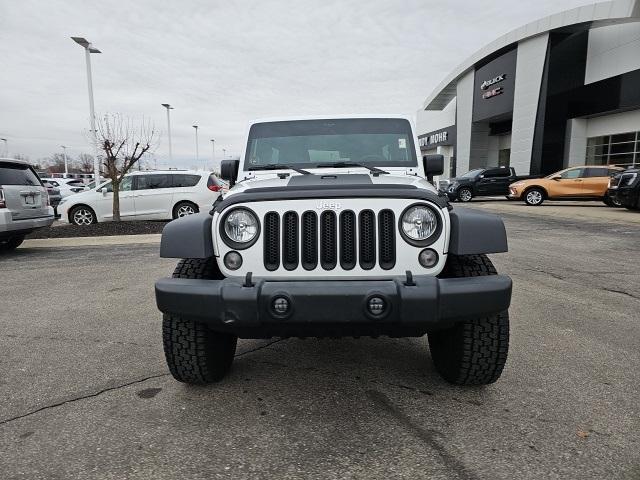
575	147
464	110
580	129
529	69
616	123
612	50
430	120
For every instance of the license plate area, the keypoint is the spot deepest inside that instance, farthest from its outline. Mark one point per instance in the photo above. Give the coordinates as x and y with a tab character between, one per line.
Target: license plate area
30	200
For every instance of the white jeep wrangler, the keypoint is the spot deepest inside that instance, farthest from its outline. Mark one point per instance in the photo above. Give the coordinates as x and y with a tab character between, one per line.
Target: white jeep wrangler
332	228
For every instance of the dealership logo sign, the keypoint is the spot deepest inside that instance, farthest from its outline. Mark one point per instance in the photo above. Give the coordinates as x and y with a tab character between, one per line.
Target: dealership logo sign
434	138
487	83
493	92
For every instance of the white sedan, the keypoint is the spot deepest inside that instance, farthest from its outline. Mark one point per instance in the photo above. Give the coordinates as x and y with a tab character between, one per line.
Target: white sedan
151	195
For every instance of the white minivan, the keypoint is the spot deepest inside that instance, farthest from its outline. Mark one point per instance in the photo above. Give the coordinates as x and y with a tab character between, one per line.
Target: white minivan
150	195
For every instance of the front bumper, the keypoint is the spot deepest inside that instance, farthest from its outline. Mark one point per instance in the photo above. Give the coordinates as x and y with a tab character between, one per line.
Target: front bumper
514	194
333	308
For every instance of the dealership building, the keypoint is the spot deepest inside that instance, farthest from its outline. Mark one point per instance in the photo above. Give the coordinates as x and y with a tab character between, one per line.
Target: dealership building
560	91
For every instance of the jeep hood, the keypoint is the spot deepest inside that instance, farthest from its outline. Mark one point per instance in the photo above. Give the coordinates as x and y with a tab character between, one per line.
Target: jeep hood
327	180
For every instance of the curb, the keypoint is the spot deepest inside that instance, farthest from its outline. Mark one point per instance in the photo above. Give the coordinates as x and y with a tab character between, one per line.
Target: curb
91	241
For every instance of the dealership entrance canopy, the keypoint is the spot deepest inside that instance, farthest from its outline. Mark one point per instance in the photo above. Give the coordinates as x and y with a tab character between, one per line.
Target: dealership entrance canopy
561	91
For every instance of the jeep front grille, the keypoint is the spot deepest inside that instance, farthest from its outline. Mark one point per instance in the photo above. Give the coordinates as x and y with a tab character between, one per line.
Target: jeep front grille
347	239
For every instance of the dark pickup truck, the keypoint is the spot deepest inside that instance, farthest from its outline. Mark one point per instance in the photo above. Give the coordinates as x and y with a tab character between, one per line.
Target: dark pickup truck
483	182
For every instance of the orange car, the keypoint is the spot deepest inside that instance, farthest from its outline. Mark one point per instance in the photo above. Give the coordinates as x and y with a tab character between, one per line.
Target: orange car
575	183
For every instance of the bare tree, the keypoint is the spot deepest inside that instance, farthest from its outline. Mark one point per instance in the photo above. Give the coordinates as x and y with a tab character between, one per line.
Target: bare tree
55	163
123	144
85	162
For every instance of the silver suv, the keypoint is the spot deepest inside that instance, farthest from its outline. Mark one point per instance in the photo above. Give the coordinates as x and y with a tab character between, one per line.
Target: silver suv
24	203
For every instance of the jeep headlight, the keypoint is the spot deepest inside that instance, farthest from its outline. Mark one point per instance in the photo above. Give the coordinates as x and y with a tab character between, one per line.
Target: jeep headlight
240	228
419	225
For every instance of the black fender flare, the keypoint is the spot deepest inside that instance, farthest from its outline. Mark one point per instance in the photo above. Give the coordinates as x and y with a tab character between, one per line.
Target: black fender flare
474	232
187	237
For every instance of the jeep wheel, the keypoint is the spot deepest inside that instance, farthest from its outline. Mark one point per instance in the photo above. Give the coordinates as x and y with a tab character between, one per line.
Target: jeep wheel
472	352
11	243
534	197
465	195
194	353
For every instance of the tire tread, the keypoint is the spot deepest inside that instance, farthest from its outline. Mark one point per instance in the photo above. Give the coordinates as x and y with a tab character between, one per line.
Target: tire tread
475	351
194	353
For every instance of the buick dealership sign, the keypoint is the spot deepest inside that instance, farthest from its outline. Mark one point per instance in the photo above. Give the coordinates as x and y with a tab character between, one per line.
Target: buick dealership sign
487	83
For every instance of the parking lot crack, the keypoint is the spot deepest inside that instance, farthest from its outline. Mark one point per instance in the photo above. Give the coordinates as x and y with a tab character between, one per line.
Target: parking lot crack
82	397
621	292
258	348
430	436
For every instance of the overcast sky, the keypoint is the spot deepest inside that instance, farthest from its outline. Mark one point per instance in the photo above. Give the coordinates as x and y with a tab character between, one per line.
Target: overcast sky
222	64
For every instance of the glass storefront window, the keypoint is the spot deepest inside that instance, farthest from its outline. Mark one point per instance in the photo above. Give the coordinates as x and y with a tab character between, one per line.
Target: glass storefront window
617	149
623	137
628	147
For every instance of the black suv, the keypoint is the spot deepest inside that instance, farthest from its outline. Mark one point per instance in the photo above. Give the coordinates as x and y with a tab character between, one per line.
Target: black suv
625	188
482	182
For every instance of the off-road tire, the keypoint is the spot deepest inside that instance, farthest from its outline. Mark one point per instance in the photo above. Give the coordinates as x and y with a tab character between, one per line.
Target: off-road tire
472	352
463	197
194	353
11	243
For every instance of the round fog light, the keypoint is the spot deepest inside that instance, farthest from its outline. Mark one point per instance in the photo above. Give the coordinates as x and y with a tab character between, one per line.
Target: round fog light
233	260
280	305
376	306
428	258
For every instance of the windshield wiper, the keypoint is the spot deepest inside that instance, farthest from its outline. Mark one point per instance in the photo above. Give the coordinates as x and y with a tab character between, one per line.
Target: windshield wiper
279	166
373	170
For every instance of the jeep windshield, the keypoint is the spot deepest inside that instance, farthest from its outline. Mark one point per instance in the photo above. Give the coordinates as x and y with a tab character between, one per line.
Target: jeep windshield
370	142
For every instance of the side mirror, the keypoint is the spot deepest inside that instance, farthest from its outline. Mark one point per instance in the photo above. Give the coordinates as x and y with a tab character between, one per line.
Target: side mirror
556	178
481	176
433	165
229	170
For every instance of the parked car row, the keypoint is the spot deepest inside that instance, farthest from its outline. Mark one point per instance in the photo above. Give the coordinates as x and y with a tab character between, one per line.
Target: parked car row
575	183
66	186
482	182
156	195
54	194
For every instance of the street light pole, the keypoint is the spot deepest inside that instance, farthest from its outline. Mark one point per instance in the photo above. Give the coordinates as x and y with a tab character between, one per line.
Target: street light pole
169	107
224	153
213	154
88	50
6	148
66	164
197	153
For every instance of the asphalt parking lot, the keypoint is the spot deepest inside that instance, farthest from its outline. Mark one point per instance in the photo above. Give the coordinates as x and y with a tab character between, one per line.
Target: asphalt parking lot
86	393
